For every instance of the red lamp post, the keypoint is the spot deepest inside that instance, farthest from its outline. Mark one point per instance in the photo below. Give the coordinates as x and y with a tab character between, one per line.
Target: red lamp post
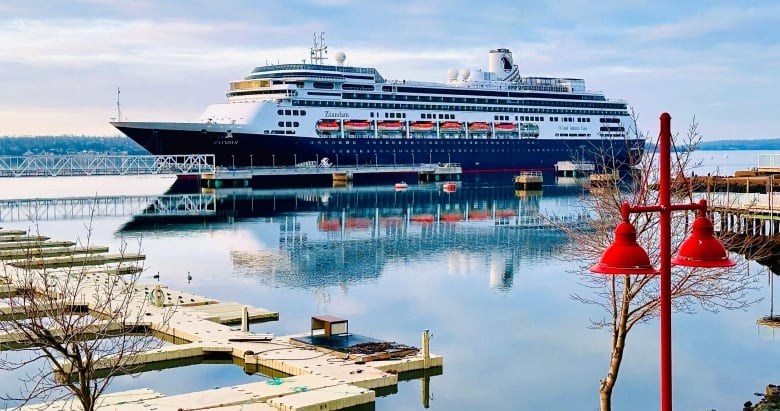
701	249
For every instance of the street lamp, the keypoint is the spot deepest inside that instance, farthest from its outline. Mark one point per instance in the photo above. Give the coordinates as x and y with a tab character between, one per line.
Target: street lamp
701	249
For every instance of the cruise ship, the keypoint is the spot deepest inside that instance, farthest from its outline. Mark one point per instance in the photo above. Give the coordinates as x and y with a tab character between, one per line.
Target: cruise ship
493	120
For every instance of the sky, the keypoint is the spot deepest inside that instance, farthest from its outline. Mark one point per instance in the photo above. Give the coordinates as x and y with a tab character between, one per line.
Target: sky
61	61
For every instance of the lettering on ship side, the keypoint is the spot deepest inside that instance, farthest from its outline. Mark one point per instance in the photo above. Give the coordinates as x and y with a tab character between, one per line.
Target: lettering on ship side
226	139
336	114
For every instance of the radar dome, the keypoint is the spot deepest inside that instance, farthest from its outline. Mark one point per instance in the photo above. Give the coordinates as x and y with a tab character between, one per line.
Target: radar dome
452	74
340	57
464	74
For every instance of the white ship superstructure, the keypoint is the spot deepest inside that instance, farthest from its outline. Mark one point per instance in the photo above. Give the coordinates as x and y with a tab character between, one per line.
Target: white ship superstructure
485	120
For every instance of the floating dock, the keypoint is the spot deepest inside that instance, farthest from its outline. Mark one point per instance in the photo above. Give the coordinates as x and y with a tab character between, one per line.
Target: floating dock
314	174
574	169
529	180
305	378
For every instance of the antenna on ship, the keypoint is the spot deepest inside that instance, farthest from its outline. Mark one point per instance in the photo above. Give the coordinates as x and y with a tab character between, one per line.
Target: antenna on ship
319	49
118	108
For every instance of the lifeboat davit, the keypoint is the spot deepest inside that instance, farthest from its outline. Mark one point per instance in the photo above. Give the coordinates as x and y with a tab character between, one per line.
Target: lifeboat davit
389	126
356	125
327	125
421	126
479	126
451	126
505	127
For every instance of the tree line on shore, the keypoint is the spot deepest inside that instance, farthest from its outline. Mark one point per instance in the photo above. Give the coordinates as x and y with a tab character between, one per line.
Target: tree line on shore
58	145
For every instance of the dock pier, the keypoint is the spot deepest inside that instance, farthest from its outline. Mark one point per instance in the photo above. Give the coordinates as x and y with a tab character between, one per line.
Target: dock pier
300	377
312	173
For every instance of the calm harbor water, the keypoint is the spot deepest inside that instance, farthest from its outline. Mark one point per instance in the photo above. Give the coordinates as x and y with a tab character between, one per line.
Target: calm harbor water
495	296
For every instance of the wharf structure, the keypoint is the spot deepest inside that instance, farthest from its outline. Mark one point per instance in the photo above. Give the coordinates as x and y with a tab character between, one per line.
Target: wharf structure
301	377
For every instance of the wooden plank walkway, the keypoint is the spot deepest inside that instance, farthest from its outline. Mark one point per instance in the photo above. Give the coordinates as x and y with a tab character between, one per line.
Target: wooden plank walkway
317	380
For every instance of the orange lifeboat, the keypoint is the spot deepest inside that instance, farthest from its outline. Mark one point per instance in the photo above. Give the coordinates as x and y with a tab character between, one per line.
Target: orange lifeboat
506	213
356	125
422	218
505	127
478	215
479	126
353	223
389	126
452	217
400	186
330	225
450	126
449	187
327	125
391	221
421	126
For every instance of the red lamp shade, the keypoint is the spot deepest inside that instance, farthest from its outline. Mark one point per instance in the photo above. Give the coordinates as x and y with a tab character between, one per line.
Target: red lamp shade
702	249
624	255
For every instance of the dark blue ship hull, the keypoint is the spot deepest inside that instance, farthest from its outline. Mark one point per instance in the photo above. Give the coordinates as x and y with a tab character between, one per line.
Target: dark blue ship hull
474	155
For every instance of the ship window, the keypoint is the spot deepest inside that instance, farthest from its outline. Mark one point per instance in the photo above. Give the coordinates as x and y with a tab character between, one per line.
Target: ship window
296	124
303	112
372	114
280	112
280	124
323	85
288	124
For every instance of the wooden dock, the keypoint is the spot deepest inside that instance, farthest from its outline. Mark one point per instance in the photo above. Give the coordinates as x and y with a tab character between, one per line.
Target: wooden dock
311	380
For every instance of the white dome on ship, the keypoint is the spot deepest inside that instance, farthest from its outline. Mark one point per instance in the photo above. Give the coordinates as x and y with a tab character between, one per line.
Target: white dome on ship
464	74
452	74
339	56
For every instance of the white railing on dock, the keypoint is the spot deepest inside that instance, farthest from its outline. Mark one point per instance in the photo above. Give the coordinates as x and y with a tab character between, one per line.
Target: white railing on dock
111	206
104	164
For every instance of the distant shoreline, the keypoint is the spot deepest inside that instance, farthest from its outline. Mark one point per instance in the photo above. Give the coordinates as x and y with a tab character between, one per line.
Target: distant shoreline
29	145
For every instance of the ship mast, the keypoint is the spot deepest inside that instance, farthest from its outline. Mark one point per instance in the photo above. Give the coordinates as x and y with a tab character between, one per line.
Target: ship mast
118	109
319	50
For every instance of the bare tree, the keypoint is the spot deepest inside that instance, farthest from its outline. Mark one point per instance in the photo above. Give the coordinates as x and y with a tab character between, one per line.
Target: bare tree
79	326
629	300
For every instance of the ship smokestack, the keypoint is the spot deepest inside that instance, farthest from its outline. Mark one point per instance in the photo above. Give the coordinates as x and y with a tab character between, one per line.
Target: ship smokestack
501	64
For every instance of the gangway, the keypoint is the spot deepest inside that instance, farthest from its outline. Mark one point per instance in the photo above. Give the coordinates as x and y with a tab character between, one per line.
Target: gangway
104	164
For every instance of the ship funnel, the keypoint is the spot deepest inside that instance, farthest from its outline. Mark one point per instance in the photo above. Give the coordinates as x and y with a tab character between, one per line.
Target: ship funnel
500	62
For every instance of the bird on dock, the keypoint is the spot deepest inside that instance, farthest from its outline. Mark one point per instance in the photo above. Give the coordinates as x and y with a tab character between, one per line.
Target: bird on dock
189	277
157	276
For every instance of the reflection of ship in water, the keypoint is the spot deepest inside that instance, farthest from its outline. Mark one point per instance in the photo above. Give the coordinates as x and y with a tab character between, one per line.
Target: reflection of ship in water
317	237
303	260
